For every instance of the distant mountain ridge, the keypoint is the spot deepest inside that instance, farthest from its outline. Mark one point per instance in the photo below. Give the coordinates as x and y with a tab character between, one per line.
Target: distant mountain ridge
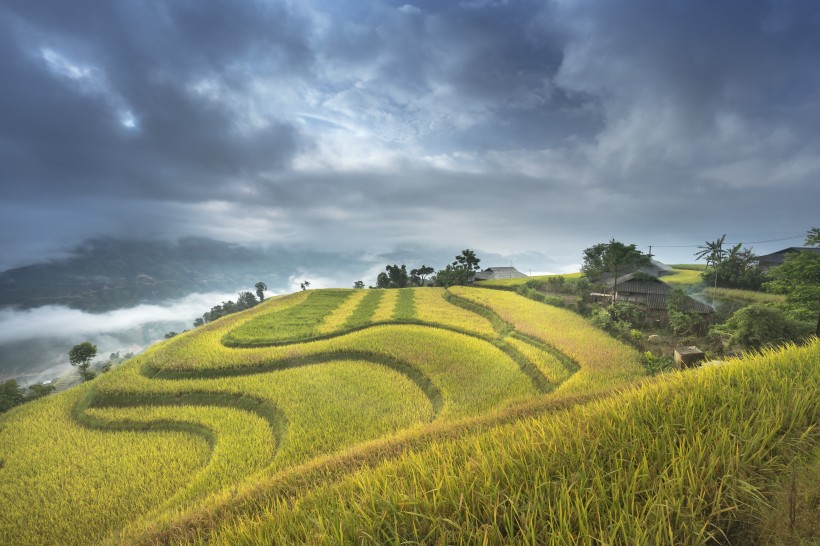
105	273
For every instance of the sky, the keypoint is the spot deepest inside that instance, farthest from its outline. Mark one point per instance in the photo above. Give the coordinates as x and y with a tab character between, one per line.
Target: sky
362	125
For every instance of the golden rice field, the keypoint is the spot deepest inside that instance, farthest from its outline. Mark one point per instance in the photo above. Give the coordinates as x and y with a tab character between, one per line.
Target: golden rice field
288	400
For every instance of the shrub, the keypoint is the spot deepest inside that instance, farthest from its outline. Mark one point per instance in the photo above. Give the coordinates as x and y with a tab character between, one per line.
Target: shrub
657	364
760	325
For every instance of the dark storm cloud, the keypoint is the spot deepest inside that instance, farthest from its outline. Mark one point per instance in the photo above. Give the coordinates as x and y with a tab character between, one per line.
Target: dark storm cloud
513	124
98	97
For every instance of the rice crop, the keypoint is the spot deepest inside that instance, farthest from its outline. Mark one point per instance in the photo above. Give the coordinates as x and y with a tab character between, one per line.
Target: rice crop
432	308
387	306
338	319
405	309
604	361
683	277
686	459
64	483
255	394
749	296
520	281
288	325
363	313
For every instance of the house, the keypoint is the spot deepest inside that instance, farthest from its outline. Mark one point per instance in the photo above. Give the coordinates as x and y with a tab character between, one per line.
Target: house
656	269
497	273
764	263
650	293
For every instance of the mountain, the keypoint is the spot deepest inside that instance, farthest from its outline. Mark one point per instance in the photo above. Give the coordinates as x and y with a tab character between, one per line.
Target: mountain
105	274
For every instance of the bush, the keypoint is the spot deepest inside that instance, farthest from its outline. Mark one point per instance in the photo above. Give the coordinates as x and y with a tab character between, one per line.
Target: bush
657	364
759	325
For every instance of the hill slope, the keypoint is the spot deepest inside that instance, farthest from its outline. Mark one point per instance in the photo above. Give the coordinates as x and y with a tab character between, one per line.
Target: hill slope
219	425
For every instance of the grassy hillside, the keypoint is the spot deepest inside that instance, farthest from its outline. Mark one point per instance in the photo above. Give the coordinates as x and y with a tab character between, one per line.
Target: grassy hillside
209	431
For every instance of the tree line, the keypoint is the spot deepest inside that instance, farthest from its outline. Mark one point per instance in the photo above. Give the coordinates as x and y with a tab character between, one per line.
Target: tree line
459	272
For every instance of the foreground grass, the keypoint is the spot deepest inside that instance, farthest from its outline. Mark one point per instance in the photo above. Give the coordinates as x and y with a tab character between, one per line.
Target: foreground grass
64	483
686	459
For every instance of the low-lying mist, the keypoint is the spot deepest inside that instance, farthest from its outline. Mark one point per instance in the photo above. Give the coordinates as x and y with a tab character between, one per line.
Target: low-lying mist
34	343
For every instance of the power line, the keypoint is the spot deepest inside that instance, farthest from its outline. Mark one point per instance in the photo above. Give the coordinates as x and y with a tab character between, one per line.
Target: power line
740	243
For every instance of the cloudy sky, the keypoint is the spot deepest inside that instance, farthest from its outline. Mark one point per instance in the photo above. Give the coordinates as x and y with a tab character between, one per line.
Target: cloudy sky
506	126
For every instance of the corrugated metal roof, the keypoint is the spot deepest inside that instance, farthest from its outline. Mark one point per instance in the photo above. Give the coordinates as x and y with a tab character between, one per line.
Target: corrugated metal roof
493	273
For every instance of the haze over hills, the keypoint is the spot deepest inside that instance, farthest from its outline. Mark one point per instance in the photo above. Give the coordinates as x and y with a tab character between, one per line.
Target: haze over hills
125	294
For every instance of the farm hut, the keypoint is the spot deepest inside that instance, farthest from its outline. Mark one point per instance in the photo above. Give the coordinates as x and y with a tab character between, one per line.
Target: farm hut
498	273
764	263
652	294
656	269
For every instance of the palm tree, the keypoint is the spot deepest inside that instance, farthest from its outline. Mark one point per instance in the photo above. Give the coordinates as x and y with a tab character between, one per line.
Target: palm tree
713	253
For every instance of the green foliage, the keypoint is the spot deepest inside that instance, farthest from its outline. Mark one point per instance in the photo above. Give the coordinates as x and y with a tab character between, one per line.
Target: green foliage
681	321
467	260
453	275
655	364
10	395
813	237
626	312
260	290
761	325
358	285
613	257
712	252
737	268
532	293
798	277
80	356
418	276
38	390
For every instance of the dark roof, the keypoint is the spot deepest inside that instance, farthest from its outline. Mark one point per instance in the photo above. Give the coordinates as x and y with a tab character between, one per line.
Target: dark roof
780	254
494	273
653	294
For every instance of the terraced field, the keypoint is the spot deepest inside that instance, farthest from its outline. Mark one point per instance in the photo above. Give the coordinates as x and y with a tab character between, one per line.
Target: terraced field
238	416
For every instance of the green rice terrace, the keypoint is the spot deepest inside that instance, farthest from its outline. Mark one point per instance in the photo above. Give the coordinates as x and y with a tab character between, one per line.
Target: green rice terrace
416	415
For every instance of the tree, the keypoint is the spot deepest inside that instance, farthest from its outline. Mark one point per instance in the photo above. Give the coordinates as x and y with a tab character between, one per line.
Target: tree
10	395
358	285
246	300
382	280
798	277
260	290
419	275
468	260
38	390
398	276
713	253
813	237
305	285
453	275
613	258
736	269
80	356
